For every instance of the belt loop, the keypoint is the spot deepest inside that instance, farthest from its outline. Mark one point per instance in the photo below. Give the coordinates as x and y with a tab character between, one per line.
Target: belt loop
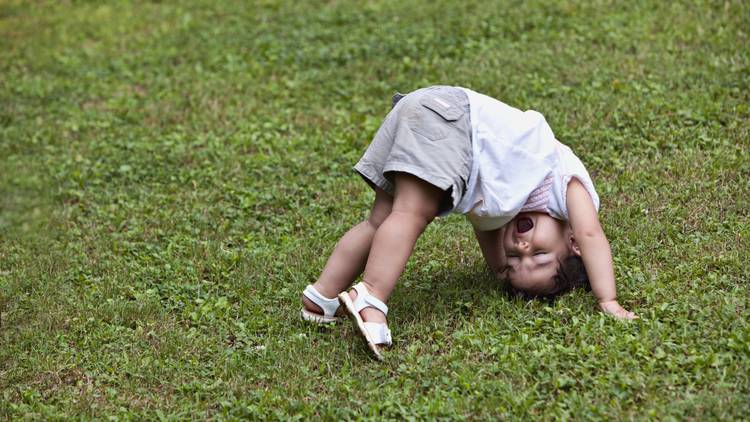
396	98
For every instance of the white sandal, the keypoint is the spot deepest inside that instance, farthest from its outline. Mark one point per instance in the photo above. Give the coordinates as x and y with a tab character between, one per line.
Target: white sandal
374	333
329	307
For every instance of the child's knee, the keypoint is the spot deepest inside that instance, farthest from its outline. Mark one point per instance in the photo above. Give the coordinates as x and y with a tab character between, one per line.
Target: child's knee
417	209
413	217
375	220
381	208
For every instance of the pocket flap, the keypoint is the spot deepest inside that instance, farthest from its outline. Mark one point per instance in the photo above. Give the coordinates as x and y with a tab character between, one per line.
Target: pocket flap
446	108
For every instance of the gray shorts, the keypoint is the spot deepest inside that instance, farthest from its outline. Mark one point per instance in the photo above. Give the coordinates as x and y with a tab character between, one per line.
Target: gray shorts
426	134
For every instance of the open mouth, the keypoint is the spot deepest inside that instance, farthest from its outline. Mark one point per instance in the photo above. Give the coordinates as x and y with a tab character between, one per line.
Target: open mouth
524	224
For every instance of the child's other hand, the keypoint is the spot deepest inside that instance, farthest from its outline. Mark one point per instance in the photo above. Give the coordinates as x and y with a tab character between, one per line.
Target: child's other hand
613	308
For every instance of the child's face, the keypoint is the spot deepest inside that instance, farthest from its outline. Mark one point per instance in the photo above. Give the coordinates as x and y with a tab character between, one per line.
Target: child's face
535	244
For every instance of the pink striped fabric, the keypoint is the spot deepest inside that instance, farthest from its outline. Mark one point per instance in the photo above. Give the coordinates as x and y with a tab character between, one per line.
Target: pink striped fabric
537	200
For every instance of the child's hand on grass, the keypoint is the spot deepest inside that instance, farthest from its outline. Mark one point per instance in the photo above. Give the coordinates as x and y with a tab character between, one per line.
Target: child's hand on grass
613	308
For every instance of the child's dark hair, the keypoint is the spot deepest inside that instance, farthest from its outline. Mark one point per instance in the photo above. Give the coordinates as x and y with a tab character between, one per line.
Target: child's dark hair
571	274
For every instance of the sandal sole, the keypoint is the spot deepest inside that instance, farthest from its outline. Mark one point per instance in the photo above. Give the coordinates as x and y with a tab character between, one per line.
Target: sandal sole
348	305
317	318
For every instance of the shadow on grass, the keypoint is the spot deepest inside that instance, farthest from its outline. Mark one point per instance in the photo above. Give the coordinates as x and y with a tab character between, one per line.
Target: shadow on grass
449	293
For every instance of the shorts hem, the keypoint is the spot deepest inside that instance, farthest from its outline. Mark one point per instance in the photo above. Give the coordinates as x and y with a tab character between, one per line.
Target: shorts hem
371	176
377	178
420	173
437	181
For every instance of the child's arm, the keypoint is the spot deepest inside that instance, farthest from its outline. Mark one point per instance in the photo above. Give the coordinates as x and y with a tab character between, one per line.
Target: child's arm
595	250
491	243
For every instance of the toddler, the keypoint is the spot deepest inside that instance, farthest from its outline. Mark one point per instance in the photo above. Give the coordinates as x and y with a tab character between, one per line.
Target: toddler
447	149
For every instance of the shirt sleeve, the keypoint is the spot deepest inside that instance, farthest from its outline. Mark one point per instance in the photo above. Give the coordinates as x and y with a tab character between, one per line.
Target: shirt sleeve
569	167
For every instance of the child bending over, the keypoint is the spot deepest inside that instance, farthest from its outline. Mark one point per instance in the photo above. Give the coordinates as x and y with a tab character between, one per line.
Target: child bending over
447	149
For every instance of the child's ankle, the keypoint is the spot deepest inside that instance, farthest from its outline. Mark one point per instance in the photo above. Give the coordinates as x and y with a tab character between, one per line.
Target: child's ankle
310	305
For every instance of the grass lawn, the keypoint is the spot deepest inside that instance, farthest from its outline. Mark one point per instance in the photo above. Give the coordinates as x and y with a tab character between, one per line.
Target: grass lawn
172	174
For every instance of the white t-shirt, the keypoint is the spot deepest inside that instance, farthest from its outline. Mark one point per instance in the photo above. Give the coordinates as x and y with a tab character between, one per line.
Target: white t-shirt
513	152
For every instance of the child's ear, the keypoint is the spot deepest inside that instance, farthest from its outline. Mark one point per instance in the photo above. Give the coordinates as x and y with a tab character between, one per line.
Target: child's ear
573	245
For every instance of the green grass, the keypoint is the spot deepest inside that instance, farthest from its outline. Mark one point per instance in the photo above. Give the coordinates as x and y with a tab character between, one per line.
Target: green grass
172	174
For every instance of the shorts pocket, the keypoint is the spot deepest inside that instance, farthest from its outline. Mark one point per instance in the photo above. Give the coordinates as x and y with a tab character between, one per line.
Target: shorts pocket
433	116
446	108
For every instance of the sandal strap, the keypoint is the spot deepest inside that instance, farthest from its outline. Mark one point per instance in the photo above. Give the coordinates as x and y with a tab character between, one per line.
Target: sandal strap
379	333
329	306
366	300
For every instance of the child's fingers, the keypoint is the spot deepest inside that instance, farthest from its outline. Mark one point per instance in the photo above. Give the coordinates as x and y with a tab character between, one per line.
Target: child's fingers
626	314
614	308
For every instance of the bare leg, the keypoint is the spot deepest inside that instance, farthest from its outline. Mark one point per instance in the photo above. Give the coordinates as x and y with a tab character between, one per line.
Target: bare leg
347	261
415	205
